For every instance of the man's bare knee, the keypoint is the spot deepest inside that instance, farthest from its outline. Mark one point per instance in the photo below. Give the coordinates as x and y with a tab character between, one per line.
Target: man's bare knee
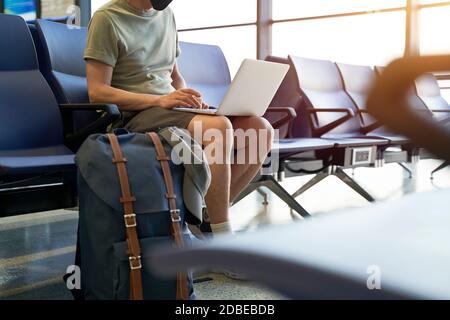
215	133
220	123
214	127
210	122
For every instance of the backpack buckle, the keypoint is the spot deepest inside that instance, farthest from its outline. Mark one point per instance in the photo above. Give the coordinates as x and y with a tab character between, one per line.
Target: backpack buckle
175	215
135	263
130	220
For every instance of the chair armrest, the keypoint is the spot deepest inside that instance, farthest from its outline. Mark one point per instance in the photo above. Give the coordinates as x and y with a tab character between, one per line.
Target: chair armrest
440	110
111	109
289	117
371	127
110	113
431	113
444	120
319	131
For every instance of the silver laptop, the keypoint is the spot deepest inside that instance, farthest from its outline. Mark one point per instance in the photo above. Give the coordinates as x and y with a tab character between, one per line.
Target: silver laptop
251	91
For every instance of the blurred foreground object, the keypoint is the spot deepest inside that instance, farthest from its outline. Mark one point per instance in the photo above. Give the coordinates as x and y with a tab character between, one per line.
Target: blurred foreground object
395	250
388	103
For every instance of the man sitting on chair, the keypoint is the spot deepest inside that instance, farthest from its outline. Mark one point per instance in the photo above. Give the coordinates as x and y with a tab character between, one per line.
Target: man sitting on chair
131	62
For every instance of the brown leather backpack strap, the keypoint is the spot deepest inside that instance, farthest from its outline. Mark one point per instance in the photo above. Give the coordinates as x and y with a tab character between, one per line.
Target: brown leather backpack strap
134	248
176	228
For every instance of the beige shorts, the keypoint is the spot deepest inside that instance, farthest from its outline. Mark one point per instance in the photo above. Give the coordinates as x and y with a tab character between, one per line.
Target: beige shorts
155	118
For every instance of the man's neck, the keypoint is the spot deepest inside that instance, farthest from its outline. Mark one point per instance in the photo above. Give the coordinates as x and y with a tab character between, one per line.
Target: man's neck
143	5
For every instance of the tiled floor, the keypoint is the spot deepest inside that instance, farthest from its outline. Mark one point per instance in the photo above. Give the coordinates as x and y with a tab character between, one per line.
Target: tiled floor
36	249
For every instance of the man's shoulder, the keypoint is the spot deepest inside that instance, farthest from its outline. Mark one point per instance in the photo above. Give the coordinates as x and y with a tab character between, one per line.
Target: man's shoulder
170	12
101	19
108	13
109	6
108	10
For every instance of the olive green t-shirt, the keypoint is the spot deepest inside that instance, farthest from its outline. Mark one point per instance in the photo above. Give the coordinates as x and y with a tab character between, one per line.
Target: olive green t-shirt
141	46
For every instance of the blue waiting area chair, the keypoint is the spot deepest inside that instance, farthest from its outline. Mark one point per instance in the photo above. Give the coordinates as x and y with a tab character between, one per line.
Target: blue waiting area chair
60	50
37	170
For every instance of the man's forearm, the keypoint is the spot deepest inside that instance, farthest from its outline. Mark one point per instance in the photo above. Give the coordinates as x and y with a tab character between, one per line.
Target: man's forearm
126	101
179	83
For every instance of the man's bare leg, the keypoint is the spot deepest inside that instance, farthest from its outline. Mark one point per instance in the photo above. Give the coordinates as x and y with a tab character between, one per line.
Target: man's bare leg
228	181
226	177
218	197
243	174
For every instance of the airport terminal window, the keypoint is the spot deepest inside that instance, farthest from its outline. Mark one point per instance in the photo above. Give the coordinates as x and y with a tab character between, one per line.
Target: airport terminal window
32	9
25	8
96	4
236	48
55	8
433	22
287	9
425	2
368	39
445	89
238	40
207	13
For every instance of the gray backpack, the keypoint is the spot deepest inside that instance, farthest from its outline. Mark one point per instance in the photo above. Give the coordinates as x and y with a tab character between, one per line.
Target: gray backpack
130	201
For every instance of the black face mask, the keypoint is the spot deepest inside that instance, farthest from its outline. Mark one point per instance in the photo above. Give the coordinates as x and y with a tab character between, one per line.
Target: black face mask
160	5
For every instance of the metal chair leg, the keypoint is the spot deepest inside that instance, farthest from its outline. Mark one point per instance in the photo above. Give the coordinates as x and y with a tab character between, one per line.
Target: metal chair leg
311	183
273	185
407	169
264	195
250	188
353	184
441	167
